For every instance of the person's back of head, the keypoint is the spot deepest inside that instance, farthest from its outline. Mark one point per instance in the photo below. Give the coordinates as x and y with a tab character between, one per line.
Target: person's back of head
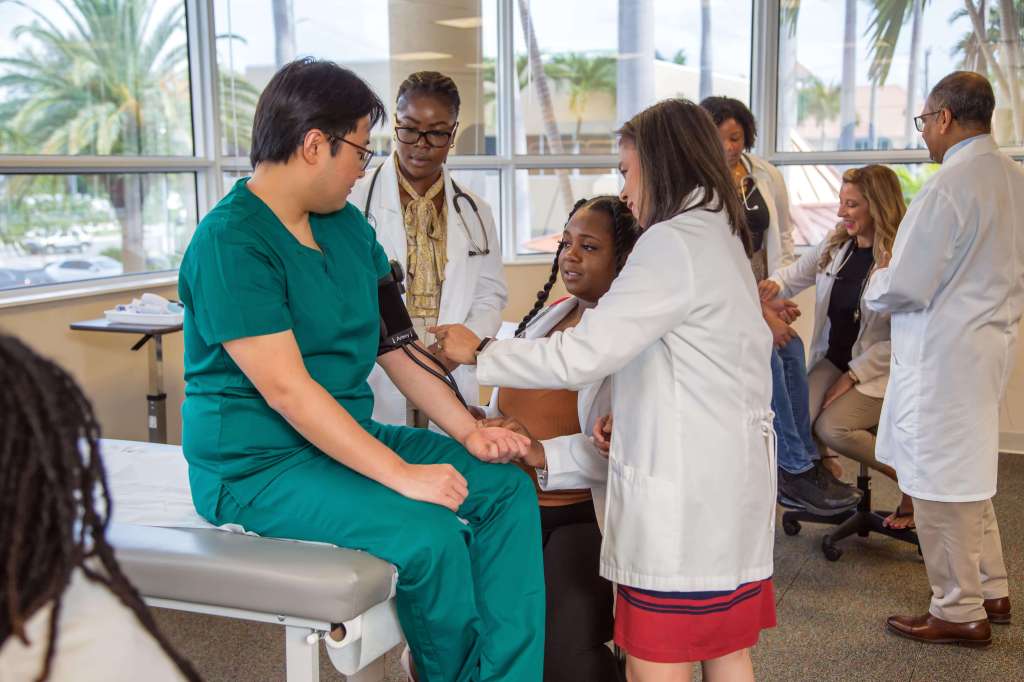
958	107
309	94
54	499
682	165
969	98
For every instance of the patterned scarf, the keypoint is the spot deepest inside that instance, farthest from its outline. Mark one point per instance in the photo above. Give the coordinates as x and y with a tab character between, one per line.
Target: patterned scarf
426	235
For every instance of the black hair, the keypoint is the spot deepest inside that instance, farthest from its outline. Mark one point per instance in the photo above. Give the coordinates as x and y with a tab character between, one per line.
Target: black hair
430	83
724	108
968	96
51	479
625	231
306	94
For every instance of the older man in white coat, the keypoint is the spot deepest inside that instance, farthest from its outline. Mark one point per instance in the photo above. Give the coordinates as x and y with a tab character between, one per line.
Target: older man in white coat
955	289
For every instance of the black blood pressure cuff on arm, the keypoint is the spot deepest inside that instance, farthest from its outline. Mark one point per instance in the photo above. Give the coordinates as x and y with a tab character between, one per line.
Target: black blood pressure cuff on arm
395	325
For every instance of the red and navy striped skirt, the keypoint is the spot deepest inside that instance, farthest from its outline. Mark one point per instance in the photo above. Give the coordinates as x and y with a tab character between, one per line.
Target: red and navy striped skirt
677	627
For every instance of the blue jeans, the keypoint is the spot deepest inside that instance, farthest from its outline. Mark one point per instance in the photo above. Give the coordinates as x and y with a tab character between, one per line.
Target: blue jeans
796	448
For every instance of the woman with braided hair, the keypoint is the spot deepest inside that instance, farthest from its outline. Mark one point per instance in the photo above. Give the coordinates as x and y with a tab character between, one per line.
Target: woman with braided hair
598	237
67	611
443	234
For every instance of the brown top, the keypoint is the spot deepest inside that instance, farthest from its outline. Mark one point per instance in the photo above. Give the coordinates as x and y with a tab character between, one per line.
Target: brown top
547	413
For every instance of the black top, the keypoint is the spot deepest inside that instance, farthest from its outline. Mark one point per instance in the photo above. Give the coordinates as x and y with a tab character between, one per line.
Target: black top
757	213
844	306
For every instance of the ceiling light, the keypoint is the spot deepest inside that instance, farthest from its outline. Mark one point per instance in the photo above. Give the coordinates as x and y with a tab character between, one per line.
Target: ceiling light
463	22
419	56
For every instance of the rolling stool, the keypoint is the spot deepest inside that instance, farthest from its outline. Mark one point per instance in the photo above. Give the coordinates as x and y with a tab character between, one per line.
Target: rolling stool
862	521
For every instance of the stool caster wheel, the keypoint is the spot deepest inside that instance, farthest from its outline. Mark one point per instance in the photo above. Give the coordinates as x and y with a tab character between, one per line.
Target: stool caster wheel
790	527
831	552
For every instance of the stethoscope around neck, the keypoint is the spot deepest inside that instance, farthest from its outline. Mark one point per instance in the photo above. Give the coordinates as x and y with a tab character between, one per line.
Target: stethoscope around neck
744	193
457	196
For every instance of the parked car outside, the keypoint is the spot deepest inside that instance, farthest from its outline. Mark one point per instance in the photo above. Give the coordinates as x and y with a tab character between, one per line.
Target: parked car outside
71	240
71	269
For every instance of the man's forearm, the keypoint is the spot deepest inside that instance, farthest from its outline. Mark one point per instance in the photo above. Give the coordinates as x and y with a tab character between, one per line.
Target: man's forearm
428	393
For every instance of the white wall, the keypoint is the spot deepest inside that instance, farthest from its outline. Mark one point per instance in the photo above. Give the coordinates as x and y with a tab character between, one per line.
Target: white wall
115	378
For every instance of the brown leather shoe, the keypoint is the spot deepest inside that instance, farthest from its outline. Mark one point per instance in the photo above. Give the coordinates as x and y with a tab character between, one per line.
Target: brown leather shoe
928	628
998	610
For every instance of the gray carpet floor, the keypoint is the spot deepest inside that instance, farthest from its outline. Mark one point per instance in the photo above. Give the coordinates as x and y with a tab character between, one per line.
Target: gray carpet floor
831	614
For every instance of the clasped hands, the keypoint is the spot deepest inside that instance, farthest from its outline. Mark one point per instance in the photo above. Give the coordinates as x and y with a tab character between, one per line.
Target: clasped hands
535	456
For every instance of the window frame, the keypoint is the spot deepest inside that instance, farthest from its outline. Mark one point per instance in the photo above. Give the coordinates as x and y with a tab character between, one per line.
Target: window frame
208	164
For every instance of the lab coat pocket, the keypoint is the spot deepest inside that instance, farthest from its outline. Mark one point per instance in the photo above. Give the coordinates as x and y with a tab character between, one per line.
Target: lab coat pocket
644	521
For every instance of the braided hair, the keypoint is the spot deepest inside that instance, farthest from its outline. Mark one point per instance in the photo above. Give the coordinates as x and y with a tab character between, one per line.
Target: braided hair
625	231
51	479
430	83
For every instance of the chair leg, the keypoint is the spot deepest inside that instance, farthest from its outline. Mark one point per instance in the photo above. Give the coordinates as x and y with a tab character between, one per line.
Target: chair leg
862	522
302	658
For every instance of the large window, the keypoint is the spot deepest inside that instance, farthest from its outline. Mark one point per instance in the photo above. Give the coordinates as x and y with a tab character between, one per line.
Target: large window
383	42
853	74
122	122
577	86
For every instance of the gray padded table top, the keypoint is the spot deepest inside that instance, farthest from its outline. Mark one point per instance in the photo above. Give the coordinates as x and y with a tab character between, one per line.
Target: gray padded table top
280	577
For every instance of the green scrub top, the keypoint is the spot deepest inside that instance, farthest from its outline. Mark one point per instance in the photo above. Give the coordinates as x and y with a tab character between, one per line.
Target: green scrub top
244	274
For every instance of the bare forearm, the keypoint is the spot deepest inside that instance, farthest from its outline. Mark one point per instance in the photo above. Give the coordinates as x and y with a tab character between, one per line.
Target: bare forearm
315	414
429	394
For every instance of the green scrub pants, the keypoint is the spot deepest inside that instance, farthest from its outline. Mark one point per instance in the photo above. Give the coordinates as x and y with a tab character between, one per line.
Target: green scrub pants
470	595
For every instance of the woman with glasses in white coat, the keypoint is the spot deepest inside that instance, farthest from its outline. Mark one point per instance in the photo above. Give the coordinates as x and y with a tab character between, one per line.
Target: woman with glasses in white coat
690	515
443	235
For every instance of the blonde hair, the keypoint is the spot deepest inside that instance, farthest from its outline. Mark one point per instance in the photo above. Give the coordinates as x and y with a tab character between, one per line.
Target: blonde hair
881	189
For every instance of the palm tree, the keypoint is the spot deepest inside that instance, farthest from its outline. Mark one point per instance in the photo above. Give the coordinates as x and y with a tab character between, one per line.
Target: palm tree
888	19
582	76
789	16
1007	70
705	49
847	98
818	101
543	90
115	83
284	32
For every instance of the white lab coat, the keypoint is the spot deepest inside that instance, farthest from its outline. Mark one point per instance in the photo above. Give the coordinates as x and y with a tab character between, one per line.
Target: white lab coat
871	350
691	478
779	237
955	289
473	293
574	462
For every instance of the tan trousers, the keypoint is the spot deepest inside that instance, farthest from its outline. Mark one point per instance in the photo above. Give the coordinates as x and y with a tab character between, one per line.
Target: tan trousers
963	555
843	427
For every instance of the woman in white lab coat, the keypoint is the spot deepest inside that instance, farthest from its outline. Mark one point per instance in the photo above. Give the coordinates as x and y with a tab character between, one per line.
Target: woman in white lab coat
596	241
443	235
850	349
689	521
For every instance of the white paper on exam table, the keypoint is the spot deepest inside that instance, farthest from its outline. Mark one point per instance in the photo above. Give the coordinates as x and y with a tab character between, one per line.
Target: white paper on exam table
149	486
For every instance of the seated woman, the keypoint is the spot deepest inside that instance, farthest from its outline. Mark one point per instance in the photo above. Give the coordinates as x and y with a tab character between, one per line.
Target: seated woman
282	326
850	348
67	611
597	239
803	483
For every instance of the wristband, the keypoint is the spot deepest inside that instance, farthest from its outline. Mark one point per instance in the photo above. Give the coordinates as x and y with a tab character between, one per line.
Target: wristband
483	344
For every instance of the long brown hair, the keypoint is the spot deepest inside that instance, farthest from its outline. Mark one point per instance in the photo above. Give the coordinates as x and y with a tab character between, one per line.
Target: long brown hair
682	165
881	189
54	500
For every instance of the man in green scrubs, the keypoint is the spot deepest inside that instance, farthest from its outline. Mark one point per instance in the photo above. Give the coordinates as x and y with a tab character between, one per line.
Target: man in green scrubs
281	331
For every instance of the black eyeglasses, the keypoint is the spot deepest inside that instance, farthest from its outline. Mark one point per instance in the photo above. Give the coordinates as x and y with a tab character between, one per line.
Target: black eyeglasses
365	155
919	120
435	138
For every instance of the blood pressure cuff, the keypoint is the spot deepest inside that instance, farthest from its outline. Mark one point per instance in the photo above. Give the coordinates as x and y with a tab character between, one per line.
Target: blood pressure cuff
395	325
